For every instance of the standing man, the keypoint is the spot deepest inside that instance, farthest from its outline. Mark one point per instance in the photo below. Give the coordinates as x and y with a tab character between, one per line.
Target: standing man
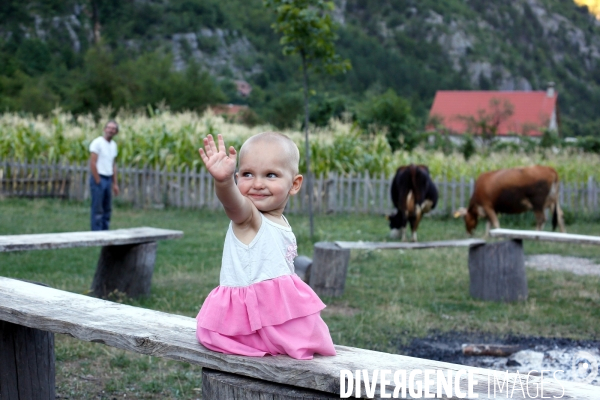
103	180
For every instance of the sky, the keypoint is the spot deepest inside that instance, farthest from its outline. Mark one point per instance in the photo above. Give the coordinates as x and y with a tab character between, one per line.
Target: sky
593	5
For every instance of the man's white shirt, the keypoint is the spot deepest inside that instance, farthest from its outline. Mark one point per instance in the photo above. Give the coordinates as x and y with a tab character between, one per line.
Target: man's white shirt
107	151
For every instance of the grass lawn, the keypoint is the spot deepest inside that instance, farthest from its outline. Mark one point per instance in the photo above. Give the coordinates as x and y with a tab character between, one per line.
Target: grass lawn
391	296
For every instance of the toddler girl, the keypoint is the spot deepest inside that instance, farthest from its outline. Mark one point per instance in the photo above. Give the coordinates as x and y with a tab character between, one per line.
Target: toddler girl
260	307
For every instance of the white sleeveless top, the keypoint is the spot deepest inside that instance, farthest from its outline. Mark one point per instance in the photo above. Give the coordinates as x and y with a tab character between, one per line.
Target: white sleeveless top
270	255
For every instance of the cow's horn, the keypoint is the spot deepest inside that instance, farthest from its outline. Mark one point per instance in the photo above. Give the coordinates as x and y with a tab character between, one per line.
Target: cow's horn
461	212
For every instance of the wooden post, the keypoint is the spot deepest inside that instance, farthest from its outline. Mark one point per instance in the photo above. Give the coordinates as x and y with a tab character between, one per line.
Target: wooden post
26	363
497	271
218	385
27	369
328	270
125	269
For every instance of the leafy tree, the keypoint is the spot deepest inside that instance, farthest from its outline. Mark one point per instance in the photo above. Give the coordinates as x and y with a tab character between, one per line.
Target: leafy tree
308	30
393	113
487	122
549	138
326	107
33	56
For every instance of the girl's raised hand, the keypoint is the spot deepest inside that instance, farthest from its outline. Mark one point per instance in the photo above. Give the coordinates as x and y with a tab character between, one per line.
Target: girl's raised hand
220	164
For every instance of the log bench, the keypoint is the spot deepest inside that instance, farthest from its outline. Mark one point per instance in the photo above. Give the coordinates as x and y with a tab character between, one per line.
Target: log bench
409	245
497	270
26	307
326	271
126	262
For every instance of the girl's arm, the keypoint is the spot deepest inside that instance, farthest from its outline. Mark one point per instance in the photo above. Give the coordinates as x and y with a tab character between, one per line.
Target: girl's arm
221	166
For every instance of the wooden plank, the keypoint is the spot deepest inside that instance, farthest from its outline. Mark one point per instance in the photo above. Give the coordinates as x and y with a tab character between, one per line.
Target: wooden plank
357	183
156	184
71	178
570	193
78	181
166	186
35	188
446	202
186	187
382	193
179	201
595	186
331	192
590	196
342	192
545	236
319	206
454	196
462	191
202	201
409	245
136	187
350	193
582	197
144	186
366	184
46	241
173	336
196	178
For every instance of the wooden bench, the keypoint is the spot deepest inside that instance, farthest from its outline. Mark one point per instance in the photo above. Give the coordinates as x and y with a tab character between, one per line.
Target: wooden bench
126	262
409	245
26	306
497	270
326	271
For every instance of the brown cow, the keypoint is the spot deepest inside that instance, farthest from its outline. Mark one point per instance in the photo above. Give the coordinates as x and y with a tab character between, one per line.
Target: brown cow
514	191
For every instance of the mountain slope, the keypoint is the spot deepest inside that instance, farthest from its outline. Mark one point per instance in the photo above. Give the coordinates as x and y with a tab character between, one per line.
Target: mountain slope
413	47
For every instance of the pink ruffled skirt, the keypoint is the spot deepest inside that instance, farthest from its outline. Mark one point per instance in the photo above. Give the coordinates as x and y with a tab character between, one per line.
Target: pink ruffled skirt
276	316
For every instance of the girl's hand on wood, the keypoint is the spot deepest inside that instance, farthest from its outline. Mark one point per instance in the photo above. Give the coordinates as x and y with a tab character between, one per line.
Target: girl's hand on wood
219	163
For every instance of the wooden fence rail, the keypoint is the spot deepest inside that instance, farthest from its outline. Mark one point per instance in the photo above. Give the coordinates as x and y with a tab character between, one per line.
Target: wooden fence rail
153	187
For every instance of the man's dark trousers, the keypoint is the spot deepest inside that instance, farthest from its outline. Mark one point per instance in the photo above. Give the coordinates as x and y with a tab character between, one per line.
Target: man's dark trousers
101	194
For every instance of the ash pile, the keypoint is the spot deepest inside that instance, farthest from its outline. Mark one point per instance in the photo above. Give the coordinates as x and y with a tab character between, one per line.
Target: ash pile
559	358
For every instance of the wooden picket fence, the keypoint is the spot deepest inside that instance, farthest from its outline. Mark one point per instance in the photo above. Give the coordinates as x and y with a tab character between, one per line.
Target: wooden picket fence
153	187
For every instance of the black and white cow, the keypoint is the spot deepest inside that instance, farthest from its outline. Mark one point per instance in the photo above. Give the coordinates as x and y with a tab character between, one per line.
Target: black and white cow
413	194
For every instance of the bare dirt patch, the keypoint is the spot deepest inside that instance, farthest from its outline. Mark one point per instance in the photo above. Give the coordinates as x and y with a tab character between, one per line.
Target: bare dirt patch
576	265
342	310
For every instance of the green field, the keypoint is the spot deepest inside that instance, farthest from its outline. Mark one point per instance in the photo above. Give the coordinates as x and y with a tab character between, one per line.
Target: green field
391	296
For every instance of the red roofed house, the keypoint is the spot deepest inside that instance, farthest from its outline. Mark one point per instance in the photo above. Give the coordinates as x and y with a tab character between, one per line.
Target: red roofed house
513	113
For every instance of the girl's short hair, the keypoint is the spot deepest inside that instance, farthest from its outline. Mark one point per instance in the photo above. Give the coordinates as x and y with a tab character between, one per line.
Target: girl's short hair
290	148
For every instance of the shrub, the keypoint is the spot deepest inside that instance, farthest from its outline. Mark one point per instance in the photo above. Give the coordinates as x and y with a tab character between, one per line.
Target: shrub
391	113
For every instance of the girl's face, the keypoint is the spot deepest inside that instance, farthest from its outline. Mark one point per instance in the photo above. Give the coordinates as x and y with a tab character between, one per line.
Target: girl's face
265	177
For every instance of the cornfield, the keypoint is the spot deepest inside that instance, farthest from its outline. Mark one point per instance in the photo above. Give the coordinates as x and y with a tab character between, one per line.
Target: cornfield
170	140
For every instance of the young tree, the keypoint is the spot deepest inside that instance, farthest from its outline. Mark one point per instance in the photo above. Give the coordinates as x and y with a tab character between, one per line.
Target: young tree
308	30
487	122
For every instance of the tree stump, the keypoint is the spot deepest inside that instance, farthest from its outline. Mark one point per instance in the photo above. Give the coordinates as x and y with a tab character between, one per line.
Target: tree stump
125	269
302	266
328	270
26	363
497	271
218	385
